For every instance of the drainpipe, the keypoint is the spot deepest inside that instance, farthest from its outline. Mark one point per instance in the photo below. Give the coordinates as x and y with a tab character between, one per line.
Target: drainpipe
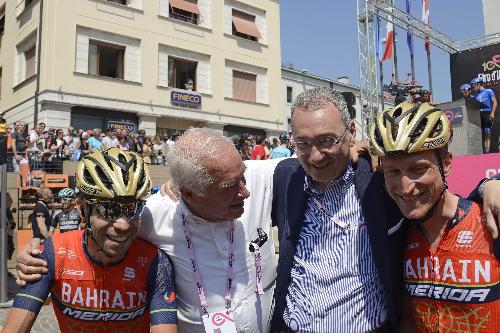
38	62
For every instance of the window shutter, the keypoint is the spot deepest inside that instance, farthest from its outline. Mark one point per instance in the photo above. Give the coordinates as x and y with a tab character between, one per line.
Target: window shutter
244	86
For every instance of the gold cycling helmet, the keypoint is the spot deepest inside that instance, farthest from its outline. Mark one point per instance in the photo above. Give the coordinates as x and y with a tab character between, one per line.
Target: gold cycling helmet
113	175
409	128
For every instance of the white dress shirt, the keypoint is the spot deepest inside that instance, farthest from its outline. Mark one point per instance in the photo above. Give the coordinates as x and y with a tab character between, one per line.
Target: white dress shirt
162	226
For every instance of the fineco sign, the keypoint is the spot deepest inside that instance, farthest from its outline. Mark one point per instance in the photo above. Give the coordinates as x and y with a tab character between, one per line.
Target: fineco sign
184	98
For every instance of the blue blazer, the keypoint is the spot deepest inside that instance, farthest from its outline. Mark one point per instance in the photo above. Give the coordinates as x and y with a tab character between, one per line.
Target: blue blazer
380	212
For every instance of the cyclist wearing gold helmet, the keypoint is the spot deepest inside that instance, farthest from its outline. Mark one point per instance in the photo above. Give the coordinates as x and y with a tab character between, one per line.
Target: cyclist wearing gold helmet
104	279
451	274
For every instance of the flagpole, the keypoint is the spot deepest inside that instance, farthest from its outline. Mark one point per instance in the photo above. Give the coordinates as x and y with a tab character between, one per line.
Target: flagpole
429	68
395	57
380	67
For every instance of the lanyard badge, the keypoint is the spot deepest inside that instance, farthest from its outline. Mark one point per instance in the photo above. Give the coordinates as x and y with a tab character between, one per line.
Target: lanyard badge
196	271
219	322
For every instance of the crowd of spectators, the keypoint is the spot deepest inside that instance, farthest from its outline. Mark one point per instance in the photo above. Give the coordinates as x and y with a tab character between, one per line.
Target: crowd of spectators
46	148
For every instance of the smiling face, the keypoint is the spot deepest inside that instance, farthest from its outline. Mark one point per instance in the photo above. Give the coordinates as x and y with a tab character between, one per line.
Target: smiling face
224	197
313	126
112	238
414	182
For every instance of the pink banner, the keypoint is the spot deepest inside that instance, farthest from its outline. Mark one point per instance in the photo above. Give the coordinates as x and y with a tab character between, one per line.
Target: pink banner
467	171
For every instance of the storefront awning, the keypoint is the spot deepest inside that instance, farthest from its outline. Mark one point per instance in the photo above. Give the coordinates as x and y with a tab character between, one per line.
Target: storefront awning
246	27
185	5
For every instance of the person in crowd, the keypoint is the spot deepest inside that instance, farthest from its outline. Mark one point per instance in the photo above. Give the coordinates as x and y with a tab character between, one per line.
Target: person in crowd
465	90
36	146
95	141
41	216
258	151
282	150
328	212
267	149
70	135
147	150
123	143
47	153
68	219
450	265
487	97
84	146
60	151
18	145
189	85
110	140
158	150
104	279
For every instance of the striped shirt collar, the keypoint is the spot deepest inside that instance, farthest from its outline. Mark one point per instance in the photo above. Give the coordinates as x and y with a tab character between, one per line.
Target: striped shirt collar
337	185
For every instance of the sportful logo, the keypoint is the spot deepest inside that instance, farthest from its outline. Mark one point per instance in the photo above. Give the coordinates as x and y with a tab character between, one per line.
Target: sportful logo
128	274
464	238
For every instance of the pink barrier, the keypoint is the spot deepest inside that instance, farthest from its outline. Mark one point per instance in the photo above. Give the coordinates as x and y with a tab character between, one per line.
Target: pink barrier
467	171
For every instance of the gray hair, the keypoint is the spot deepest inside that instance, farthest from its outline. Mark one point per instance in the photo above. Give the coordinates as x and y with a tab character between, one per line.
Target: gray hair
190	156
315	99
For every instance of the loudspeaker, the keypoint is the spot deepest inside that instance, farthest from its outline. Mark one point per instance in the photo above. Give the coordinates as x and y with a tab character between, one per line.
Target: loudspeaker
350	99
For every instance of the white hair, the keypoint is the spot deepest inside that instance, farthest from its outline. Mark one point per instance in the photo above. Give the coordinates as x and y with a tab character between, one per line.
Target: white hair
196	149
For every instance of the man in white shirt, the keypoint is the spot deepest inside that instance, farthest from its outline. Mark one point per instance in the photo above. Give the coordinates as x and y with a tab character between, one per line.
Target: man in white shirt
213	193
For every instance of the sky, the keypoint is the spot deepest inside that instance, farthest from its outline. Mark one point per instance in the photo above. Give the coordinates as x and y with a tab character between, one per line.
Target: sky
321	36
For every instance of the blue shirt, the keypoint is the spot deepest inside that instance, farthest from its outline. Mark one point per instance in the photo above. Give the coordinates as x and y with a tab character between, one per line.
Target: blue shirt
485	96
280	152
95	143
335	286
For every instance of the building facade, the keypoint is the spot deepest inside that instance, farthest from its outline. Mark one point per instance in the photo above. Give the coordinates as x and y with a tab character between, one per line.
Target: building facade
491	12
296	81
161	66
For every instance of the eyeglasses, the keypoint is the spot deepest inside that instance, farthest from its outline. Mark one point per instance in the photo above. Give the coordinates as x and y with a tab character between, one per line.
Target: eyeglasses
112	211
322	145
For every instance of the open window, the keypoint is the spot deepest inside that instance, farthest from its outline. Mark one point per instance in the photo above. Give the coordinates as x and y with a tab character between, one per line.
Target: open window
289	94
120	2
181	72
30	61
2	20
106	59
244	26
244	86
184	10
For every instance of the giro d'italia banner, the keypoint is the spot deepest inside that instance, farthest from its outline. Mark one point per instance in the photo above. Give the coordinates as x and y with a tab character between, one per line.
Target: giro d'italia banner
483	63
467	171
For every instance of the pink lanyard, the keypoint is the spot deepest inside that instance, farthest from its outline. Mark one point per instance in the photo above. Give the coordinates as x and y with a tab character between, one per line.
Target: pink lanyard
196	271
332	216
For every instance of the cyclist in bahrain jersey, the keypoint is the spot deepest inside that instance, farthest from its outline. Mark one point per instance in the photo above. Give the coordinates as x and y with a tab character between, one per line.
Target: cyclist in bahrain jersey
103	279
451	274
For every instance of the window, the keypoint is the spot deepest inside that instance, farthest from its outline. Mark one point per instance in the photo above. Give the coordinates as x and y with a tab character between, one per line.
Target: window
2	20
1	70
30	61
289	95
244	86
106	59
180	71
184	10
120	2
244	26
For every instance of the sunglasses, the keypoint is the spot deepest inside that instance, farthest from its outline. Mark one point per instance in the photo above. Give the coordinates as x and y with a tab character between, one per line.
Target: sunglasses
65	200
112	211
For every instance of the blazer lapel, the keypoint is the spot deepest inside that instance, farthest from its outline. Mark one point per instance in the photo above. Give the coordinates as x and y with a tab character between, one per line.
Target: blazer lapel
296	203
371	193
